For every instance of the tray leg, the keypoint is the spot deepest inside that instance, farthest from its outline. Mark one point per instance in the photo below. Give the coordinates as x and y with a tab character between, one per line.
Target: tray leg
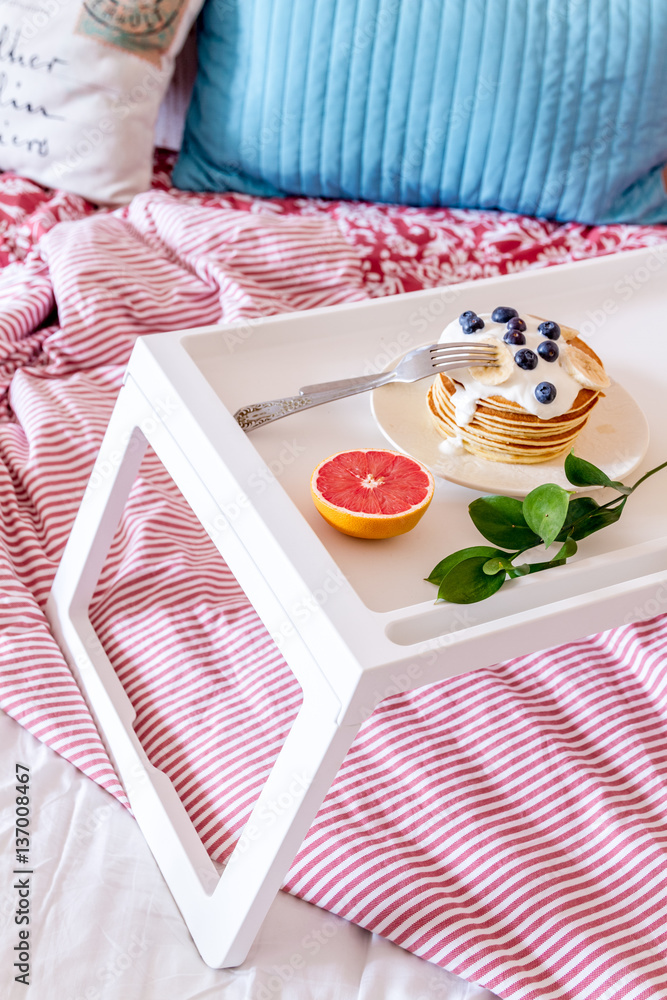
293	792
223	913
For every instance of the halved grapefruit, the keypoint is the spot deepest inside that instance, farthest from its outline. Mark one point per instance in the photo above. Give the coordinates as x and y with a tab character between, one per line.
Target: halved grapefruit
371	493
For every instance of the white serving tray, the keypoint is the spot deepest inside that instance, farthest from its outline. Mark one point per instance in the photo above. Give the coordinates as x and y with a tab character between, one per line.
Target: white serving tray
618	302
354	619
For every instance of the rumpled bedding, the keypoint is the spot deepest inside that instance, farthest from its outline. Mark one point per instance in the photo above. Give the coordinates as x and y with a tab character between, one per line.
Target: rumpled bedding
509	824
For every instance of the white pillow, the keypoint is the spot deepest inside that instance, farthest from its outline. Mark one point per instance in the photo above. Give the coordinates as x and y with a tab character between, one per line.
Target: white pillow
170	123
81	82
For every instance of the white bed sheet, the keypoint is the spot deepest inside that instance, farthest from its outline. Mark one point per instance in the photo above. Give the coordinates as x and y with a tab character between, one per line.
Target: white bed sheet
103	925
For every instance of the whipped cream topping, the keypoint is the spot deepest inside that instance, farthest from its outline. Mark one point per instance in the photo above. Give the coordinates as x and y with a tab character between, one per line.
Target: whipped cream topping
521	384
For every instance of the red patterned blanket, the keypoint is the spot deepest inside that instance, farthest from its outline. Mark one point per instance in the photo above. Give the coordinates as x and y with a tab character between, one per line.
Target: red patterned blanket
515	835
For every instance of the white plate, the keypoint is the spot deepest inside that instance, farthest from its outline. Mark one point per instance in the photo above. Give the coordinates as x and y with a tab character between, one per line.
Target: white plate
615	439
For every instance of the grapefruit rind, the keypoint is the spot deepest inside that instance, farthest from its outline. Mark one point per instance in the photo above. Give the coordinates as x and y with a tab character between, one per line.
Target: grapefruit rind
359	524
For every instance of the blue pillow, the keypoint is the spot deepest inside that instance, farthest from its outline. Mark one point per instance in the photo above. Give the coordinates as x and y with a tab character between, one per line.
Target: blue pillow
555	108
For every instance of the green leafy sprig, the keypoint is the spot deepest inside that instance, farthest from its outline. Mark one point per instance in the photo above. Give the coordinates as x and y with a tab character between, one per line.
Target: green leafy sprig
548	514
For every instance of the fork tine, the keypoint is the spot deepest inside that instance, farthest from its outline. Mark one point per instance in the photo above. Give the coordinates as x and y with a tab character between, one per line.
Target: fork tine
462	353
465	348
463	359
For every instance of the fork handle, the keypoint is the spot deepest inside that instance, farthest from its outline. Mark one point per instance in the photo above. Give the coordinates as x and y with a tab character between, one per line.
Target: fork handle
258	414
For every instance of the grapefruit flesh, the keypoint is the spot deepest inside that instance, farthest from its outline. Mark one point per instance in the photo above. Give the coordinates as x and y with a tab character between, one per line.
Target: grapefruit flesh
371	493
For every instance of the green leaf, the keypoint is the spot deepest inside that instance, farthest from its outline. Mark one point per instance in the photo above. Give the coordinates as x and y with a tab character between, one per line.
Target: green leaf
439	572
582	473
579	472
475	573
545	509
579	508
501	520
567	549
467	582
601	518
493	566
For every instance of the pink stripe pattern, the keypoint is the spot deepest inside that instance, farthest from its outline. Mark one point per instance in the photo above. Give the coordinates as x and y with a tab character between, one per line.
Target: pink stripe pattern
510	824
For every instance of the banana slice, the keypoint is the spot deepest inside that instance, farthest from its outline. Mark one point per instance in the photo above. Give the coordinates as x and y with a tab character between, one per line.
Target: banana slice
501	371
567	332
583	368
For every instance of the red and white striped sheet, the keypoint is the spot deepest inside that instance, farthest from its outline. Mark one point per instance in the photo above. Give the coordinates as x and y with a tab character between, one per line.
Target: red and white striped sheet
510	824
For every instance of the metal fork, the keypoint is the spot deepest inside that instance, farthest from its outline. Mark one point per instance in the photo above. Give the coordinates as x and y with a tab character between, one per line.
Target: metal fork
415	365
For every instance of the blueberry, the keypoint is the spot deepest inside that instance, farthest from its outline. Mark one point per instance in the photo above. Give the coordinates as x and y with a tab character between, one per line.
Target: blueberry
545	392
502	313
549	329
516	323
476	323
514	337
467	317
548	350
526	358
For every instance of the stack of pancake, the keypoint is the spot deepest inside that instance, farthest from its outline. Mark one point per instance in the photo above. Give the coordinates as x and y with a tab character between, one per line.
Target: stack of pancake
501	429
